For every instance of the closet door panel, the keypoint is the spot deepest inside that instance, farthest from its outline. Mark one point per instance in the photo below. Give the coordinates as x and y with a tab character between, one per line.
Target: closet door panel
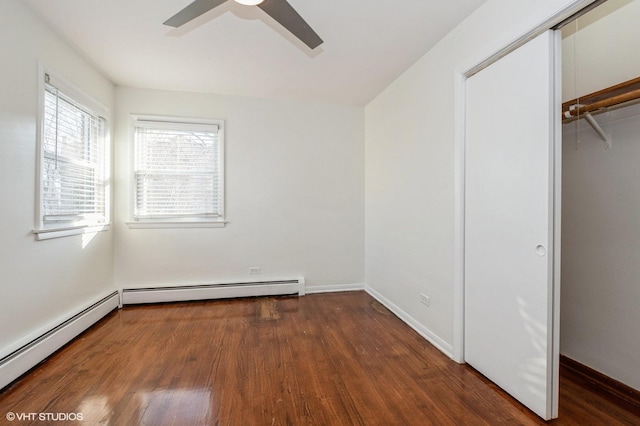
509	253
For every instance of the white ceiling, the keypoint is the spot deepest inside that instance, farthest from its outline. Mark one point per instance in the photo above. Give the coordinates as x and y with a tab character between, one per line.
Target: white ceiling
239	50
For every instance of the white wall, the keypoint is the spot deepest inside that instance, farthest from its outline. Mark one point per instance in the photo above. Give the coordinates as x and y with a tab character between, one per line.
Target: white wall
604	51
601	246
410	192
294	195
601	200
40	281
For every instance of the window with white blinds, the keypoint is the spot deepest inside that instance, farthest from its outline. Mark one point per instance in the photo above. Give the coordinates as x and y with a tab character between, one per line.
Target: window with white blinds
73	161
178	171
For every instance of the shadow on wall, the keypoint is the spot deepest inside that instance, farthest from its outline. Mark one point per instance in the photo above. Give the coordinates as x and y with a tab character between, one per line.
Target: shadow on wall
595	15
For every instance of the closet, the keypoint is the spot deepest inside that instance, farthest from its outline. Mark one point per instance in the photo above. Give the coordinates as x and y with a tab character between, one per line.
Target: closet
600	278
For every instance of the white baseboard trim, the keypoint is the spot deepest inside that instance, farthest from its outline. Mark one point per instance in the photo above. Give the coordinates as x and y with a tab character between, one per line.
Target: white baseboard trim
334	288
183	293
429	335
37	349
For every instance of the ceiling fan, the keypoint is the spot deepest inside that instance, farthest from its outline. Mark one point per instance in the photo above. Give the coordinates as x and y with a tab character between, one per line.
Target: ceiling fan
280	10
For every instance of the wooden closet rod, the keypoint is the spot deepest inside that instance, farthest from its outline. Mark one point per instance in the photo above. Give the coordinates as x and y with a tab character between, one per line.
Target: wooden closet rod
611	96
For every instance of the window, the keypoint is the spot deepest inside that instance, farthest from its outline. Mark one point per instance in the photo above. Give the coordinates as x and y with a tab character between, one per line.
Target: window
73	165
178	172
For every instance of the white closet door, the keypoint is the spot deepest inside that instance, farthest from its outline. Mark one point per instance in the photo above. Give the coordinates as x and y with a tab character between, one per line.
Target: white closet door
509	218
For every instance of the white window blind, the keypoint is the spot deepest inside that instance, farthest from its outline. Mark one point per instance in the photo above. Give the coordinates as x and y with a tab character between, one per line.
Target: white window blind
178	171
73	162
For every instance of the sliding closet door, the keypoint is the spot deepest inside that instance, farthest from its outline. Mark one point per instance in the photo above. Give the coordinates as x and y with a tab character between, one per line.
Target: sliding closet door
509	219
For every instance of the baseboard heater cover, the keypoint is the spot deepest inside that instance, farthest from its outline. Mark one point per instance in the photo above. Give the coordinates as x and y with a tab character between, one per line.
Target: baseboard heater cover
21	360
132	296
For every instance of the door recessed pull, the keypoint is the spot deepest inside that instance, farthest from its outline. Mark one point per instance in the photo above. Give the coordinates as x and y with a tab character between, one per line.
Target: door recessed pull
541	250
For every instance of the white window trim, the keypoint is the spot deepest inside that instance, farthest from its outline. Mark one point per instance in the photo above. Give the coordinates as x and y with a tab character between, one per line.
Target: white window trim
47	234
155	224
164	223
44	231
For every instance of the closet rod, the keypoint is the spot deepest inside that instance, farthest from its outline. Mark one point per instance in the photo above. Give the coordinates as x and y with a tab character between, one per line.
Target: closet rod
611	96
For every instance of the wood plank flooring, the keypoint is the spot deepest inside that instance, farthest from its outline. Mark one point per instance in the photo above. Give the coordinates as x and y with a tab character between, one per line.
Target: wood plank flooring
326	359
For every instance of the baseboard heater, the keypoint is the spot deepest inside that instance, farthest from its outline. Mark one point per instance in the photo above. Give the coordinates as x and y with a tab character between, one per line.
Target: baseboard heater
182	293
27	356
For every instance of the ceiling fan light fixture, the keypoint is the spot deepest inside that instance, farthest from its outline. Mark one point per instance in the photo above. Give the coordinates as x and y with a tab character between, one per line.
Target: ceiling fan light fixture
280	10
249	2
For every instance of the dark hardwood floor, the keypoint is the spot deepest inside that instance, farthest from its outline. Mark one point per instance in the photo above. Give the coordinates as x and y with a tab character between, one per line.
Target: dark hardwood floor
328	359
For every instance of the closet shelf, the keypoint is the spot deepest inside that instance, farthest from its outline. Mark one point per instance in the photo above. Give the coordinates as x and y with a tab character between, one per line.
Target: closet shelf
611	96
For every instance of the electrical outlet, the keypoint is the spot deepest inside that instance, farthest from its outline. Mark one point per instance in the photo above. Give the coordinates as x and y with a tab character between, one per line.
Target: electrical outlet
425	299
254	270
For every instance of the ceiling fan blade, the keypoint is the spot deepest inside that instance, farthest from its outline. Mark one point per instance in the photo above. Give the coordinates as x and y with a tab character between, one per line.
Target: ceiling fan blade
195	9
286	15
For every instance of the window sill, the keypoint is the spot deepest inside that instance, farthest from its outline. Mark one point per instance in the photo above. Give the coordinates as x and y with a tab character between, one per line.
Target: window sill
176	224
47	234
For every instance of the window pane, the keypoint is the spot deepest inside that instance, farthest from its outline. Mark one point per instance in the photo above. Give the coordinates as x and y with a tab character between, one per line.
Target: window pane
177	173
73	159
69	189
